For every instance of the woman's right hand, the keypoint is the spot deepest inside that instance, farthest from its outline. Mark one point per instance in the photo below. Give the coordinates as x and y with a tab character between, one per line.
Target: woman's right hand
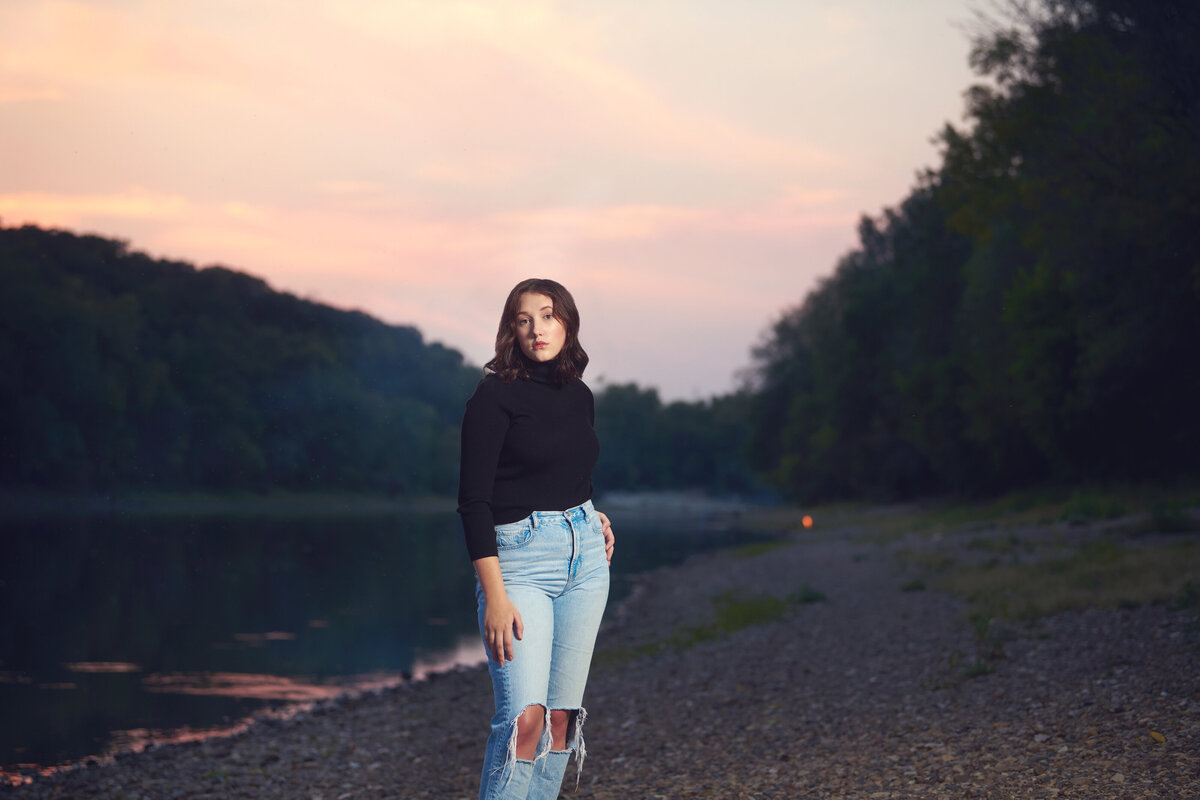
501	621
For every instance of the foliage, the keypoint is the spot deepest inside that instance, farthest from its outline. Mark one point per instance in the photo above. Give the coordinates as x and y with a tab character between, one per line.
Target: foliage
120	371
1099	574
647	446
1029	311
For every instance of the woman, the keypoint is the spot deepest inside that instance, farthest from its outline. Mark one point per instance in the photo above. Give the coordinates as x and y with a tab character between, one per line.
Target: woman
539	549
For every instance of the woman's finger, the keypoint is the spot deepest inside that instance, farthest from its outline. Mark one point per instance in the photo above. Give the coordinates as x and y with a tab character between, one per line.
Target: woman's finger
508	643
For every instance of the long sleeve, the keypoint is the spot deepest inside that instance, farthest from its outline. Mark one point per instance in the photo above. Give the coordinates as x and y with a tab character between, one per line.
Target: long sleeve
485	424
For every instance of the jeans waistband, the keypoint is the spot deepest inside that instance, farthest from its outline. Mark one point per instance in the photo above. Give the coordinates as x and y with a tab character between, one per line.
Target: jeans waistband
577	512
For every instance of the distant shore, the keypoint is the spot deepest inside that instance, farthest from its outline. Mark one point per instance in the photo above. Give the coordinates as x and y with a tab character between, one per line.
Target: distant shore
33	503
39	503
828	664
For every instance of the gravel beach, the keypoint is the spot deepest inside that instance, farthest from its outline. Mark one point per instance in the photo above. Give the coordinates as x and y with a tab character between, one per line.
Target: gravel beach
853	688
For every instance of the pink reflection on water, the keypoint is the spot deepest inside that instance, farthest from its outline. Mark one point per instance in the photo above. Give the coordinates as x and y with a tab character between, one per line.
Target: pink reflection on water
297	694
97	667
265	687
466	653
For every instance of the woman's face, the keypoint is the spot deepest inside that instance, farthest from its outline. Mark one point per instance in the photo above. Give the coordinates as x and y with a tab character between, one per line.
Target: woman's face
540	333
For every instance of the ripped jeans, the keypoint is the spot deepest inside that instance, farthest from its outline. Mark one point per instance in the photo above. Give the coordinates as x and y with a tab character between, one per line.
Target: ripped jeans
556	574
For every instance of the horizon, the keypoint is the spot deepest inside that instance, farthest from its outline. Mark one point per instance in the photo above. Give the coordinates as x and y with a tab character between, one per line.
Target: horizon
689	173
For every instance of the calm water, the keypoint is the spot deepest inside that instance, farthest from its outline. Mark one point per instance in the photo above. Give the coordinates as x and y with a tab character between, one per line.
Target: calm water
119	630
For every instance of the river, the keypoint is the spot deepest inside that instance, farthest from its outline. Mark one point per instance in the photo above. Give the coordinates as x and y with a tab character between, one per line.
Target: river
121	629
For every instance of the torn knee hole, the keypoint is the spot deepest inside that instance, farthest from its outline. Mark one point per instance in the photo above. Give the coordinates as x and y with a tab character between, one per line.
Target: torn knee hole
564	728
527	731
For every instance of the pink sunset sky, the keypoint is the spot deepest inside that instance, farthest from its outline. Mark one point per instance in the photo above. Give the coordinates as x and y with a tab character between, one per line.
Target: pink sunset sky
687	168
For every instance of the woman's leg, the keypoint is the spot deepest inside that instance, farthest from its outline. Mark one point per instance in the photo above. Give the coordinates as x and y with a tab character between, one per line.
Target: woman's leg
518	732
577	614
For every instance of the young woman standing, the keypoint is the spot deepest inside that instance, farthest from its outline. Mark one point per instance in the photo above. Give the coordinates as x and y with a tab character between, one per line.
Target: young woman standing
539	548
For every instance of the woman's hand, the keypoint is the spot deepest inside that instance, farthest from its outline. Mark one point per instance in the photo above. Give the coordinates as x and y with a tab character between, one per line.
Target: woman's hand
501	621
610	541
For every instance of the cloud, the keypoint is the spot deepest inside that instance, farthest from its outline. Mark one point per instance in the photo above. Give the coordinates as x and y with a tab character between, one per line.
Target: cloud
76	210
691	167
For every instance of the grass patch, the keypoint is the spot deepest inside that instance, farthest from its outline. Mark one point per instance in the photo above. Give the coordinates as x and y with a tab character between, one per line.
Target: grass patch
1101	574
1167	505
996	544
1171	517
1189	597
733	612
917	585
927	560
807	594
979	668
1092	505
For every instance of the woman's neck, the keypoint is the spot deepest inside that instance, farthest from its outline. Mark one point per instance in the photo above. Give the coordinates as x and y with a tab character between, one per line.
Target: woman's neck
542	371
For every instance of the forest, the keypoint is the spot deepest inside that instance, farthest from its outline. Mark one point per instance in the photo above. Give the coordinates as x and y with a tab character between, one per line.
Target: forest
120	372
1029	313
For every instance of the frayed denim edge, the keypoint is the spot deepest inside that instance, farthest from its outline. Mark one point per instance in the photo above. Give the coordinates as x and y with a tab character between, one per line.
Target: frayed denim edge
511	759
577	745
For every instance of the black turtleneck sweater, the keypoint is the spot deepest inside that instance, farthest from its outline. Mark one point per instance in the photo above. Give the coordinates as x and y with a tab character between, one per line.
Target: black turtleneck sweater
527	446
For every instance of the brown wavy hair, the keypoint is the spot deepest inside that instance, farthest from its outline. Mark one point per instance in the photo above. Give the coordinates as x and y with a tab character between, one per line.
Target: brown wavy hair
509	362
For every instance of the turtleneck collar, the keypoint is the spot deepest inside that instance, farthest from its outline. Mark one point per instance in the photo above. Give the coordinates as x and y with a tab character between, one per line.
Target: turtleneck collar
542	371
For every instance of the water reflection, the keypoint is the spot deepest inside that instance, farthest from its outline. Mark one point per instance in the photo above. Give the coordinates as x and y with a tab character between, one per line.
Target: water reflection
116	631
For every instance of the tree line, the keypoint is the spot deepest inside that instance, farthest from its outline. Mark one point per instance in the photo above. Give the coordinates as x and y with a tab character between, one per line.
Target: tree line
118	371
1031	310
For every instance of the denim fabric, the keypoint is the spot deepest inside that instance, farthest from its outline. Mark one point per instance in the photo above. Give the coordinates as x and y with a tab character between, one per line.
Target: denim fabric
556	574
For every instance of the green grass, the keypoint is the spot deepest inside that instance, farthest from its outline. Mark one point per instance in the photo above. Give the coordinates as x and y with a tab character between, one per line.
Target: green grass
1101	574
979	668
926	560
1167	507
732	610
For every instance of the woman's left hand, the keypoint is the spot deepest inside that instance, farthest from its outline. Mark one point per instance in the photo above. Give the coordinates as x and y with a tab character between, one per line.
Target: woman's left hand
609	540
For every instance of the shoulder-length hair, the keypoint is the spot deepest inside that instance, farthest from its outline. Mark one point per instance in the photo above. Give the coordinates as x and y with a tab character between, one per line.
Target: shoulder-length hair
509	363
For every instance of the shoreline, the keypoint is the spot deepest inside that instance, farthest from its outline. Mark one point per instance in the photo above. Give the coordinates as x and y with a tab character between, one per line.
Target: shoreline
18	504
861	686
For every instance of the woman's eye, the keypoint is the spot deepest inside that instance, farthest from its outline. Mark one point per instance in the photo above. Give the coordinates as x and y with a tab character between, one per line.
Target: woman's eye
548	317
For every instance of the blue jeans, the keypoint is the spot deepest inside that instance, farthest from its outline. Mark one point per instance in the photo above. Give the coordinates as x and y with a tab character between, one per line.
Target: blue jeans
556	574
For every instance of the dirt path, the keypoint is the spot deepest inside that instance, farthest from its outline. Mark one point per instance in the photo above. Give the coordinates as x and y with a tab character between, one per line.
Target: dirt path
865	694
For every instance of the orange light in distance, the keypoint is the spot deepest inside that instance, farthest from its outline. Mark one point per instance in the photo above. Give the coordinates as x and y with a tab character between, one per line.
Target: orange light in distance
806	521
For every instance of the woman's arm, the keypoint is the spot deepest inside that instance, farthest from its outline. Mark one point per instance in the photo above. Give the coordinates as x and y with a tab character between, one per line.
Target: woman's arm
484	426
483	429
501	620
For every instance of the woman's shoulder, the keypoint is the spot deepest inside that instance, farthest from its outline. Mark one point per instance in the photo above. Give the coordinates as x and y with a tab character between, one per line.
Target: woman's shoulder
491	390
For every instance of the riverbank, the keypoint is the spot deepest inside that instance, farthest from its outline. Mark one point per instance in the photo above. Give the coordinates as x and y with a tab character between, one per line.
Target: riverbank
17	504
830	665
36	503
